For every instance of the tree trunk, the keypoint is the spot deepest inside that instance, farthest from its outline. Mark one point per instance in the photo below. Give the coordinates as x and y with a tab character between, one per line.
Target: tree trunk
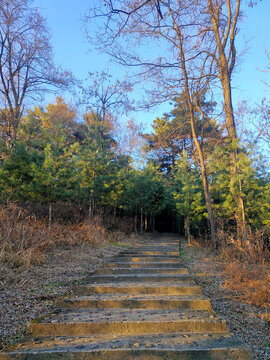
50	215
92	197
235	186
204	178
141	220
135	223
194	135
114	212
187	229
145	222
91	205
226	67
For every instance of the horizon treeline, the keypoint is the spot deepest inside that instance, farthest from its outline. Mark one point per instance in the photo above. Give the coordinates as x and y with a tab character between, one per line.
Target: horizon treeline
59	160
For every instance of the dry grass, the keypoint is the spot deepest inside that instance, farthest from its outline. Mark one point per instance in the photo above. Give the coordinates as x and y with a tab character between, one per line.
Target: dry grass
22	238
247	281
255	249
239	292
250	281
25	240
38	264
246	265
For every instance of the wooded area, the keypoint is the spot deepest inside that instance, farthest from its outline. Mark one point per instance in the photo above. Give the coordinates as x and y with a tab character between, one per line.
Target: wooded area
82	180
196	173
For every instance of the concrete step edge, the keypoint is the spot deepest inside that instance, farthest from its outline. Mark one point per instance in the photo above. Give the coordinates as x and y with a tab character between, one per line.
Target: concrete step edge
126	327
220	346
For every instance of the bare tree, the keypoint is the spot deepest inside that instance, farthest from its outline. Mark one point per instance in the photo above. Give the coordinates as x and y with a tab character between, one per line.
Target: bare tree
256	136
222	18
26	61
199	38
175	26
267	69
129	137
105	96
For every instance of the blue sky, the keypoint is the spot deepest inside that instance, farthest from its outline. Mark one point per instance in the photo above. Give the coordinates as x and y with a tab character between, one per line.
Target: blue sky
255	30
72	51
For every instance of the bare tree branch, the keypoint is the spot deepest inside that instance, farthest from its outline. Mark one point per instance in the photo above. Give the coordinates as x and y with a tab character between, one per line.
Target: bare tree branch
26	60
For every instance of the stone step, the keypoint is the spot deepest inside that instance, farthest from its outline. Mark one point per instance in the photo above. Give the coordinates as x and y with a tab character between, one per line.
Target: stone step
142	305
164	259
150	253
154	248
117	301
139	277
130	264
69	322
184	288
157	244
184	346
142	270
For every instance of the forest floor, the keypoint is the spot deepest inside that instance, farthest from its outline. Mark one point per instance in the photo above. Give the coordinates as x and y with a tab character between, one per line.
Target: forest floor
234	290
26	293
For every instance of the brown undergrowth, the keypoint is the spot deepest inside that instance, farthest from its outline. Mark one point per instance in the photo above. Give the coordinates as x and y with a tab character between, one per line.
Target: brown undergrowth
26	240
247	265
38	264
239	292
251	282
254	249
247	276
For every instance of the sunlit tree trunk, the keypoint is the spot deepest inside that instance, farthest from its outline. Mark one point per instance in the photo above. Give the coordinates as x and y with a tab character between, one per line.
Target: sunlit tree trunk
225	40
194	135
235	185
145	222
208	201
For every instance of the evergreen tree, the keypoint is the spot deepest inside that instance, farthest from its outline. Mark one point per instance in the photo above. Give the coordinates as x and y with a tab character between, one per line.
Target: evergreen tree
187	192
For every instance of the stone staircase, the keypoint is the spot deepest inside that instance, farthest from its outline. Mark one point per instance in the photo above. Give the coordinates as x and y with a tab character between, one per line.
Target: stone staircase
142	305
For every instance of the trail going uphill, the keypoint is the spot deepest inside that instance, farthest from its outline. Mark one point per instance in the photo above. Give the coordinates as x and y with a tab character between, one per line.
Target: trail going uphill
143	304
